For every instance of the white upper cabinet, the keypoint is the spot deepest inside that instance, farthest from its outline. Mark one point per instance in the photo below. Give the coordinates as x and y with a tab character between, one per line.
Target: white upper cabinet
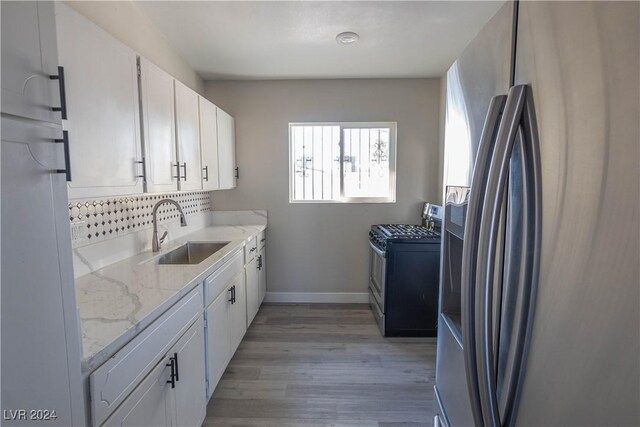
101	82
29	57
188	134
209	144
159	132
226	150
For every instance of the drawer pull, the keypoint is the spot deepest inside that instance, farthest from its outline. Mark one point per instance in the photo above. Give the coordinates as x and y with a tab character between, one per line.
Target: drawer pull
67	159
63	96
144	169
173	365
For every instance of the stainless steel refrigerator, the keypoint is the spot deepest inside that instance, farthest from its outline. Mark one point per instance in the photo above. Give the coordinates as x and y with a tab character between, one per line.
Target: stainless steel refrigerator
540	285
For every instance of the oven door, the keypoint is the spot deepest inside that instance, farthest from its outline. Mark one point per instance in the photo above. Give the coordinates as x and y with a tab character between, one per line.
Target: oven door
377	274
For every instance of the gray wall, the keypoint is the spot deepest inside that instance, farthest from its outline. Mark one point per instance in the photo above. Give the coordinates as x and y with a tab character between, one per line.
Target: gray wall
125	21
323	247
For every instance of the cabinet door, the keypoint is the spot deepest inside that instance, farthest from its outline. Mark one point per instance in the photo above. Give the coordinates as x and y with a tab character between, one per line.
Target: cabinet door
29	57
189	393
209	144
262	267
218	339
159	135
238	312
252	281
40	335
101	77
188	134
226	150
149	405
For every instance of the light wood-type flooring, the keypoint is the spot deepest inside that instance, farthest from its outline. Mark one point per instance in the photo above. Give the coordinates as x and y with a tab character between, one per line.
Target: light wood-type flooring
313	365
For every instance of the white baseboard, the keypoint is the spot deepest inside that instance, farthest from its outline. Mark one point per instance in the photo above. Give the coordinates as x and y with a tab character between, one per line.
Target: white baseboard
317	297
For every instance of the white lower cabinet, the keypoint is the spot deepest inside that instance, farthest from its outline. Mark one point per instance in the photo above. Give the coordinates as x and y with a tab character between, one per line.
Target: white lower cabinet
253	289
172	393
189	391
262	274
255	273
218	333
238	312
149	404
121	385
225	317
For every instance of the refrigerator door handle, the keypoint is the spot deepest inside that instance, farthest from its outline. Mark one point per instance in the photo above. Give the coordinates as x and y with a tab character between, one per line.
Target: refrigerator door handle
470	247
487	243
531	233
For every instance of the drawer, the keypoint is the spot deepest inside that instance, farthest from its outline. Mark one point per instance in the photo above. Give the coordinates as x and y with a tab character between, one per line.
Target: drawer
250	249
218	281
112	382
262	239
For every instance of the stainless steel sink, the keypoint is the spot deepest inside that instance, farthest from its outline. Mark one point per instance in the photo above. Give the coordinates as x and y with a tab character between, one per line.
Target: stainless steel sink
190	253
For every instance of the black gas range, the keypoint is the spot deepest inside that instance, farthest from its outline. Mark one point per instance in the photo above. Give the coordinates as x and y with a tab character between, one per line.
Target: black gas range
401	233
403	278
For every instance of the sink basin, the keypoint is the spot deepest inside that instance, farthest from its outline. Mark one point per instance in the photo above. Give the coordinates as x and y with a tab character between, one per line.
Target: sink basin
190	253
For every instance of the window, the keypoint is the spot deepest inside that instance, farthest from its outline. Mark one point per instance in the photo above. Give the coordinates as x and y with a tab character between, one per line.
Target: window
342	162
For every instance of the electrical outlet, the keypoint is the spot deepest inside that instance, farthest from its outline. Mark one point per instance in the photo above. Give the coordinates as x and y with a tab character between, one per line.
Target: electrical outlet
78	232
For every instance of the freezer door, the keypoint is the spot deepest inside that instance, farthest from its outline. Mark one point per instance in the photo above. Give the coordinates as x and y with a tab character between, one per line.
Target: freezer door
581	60
480	73
476	80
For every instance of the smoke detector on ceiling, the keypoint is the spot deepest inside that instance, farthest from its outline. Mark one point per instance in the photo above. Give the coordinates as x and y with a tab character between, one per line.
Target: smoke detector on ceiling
348	37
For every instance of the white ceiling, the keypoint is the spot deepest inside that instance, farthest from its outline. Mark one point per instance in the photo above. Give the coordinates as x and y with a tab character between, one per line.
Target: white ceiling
296	39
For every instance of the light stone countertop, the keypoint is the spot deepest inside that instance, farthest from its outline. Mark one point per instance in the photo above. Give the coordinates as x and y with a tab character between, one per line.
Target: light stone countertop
115	303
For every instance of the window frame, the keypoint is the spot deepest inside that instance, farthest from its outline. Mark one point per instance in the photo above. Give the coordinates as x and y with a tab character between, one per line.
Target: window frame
393	147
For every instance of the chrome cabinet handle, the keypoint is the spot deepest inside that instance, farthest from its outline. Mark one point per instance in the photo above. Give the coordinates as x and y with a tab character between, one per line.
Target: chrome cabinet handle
67	157
184	167
144	169
63	97
470	249
237	175
252	249
206	171
177	166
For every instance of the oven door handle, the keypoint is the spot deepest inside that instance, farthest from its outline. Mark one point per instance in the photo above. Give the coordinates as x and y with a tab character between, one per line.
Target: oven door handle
377	250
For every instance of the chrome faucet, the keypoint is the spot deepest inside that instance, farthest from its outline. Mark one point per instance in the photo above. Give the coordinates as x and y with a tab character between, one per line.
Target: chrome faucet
155	244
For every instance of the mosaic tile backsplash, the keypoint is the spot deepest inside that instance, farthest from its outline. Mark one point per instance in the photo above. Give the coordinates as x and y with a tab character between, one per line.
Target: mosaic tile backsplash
102	219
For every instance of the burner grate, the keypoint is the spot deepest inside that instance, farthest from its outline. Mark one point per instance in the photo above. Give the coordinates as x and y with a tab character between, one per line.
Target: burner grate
406	230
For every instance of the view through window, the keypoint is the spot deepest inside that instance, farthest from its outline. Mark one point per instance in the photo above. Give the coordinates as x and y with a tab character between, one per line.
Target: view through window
342	162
